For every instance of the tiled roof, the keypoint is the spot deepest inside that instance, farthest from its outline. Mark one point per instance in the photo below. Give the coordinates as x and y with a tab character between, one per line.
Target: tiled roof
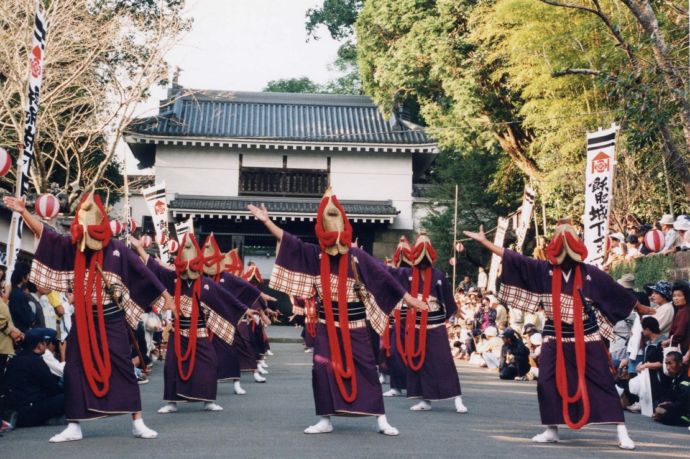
279	207
322	118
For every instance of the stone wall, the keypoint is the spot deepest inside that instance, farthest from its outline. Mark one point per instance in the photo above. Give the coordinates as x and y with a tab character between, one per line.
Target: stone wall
681	266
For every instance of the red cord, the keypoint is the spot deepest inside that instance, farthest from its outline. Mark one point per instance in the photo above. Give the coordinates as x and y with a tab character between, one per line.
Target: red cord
398	336
387	337
310	316
420	352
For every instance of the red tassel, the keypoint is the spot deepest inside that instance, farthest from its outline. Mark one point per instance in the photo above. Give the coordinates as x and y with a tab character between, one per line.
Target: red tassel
420	351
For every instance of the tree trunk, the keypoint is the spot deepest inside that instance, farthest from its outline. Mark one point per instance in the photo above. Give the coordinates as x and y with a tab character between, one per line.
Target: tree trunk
675	160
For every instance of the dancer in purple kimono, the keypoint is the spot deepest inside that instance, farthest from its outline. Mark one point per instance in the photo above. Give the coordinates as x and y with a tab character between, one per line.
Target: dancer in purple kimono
573	355
431	372
344	377
191	366
112	288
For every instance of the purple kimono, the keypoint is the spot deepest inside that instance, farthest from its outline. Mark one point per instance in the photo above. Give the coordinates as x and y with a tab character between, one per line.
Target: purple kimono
220	312
236	357
297	272
526	284
438	378
139	290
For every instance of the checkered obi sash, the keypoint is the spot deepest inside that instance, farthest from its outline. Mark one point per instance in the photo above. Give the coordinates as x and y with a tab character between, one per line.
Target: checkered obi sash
591	331
356	315
186	324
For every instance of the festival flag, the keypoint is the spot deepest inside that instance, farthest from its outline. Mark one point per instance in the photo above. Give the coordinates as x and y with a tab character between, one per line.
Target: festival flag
184	227
525	217
499	238
36	60
158	206
601	160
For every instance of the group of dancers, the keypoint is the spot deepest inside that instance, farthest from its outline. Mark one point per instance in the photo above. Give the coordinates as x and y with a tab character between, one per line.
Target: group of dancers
346	296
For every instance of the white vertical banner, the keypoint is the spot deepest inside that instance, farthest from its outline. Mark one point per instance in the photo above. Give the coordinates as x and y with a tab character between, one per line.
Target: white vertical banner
158	207
601	160
525	218
499	238
36	60
184	227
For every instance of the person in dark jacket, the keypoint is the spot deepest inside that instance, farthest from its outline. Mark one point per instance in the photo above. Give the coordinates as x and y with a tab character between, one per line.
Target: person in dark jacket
23	315
514	356
32	390
675	410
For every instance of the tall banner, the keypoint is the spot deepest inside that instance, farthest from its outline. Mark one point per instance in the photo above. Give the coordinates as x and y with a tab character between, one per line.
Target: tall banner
601	160
499	238
525	218
158	207
183	228
36	59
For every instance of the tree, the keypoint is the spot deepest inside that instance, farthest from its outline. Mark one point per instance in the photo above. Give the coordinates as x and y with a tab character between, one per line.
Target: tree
101	59
302	84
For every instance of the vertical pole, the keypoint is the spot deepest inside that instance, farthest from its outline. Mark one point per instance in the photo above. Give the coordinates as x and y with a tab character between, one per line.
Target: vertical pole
543	216
126	215
455	234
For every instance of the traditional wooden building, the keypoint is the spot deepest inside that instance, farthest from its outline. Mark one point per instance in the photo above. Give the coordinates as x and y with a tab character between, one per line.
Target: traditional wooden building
217	151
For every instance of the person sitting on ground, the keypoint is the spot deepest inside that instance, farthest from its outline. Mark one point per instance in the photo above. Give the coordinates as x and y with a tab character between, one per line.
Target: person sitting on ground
679	335
23	316
661	295
31	389
675	409
490	348
56	367
670	235
514	356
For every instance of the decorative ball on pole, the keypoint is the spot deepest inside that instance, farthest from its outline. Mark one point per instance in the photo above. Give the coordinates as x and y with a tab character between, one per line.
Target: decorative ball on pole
132	226
146	241
47	206
115	227
5	162
654	240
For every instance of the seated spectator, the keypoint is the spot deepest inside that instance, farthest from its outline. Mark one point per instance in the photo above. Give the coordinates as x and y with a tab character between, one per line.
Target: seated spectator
632	247
490	348
670	234
52	346
674	410
23	316
501	313
534	345
680	326
9	335
632	225
467	284
682	226
514	361
486	316
31	389
661	298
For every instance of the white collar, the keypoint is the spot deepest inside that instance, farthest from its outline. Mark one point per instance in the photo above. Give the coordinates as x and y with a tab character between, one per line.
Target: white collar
566	276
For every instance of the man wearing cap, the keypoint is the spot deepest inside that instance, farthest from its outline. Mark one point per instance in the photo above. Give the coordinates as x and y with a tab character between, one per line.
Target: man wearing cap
56	367
514	361
344	376
32	390
573	328
667	221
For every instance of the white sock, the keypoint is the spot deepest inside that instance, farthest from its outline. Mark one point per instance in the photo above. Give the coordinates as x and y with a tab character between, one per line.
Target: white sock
423	405
624	440
71	433
212	406
385	428
323	426
550	435
392	393
238	388
170	407
258	377
140	430
459	406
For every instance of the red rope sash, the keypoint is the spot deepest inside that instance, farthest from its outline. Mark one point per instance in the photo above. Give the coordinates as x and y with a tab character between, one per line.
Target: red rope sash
347	371
310	316
580	349
420	352
387	337
398	336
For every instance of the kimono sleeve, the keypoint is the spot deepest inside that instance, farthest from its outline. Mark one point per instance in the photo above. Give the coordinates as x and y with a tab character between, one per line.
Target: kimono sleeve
522	279
243	290
53	264
296	267
165	276
223	310
385	289
612	300
143	286
447	298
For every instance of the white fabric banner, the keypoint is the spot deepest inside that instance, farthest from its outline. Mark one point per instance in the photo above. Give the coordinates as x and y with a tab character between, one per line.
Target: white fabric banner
183	228
36	60
601	160
158	207
525	218
499	238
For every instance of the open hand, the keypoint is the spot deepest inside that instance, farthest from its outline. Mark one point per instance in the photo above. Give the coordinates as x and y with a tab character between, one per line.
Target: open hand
268	298
478	236
15	204
260	213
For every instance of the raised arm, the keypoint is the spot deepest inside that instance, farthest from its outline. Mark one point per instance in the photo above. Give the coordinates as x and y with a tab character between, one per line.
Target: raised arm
481	238
19	206
261	214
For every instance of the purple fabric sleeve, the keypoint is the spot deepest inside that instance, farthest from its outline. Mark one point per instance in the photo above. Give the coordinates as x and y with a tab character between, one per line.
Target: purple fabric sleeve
166	276
221	301
524	272
240	288
386	290
298	256
446	295
144	287
612	299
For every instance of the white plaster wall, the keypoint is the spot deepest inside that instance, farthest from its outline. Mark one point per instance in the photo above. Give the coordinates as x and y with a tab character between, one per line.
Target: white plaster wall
198	171
136	203
262	159
308	160
28	243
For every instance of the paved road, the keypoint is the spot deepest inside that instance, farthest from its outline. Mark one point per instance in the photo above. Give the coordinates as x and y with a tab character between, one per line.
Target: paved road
268	422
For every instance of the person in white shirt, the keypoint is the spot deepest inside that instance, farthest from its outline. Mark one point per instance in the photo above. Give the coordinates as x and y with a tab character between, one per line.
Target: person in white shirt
661	295
56	367
482	280
670	235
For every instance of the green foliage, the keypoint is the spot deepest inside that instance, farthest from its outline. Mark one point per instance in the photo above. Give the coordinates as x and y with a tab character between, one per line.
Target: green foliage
302	84
338	16
647	270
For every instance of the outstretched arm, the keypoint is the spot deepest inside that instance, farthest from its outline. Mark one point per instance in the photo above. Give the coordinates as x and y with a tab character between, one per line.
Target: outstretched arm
481	238
261	214
19	206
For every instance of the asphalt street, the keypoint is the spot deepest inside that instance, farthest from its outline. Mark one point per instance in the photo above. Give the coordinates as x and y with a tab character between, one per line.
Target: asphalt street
269	420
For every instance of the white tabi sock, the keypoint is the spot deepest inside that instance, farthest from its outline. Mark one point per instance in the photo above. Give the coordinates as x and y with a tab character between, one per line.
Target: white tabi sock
392	393
258	377
459	406
140	430
385	428
212	406
268	352
71	433
550	435
261	370
424	405
323	426
238	388
624	440
170	407
263	363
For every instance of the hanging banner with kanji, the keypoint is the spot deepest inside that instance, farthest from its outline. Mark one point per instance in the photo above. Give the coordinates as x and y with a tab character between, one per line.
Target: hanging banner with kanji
158	206
525	217
184	227
499	239
601	160
24	160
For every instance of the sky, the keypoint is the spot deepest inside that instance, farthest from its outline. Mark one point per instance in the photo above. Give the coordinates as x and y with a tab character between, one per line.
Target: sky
241	45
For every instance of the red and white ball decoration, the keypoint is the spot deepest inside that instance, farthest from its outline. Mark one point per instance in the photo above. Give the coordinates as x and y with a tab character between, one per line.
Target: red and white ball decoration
5	162
47	206
161	239
173	245
132	226
116	227
654	240
146	241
